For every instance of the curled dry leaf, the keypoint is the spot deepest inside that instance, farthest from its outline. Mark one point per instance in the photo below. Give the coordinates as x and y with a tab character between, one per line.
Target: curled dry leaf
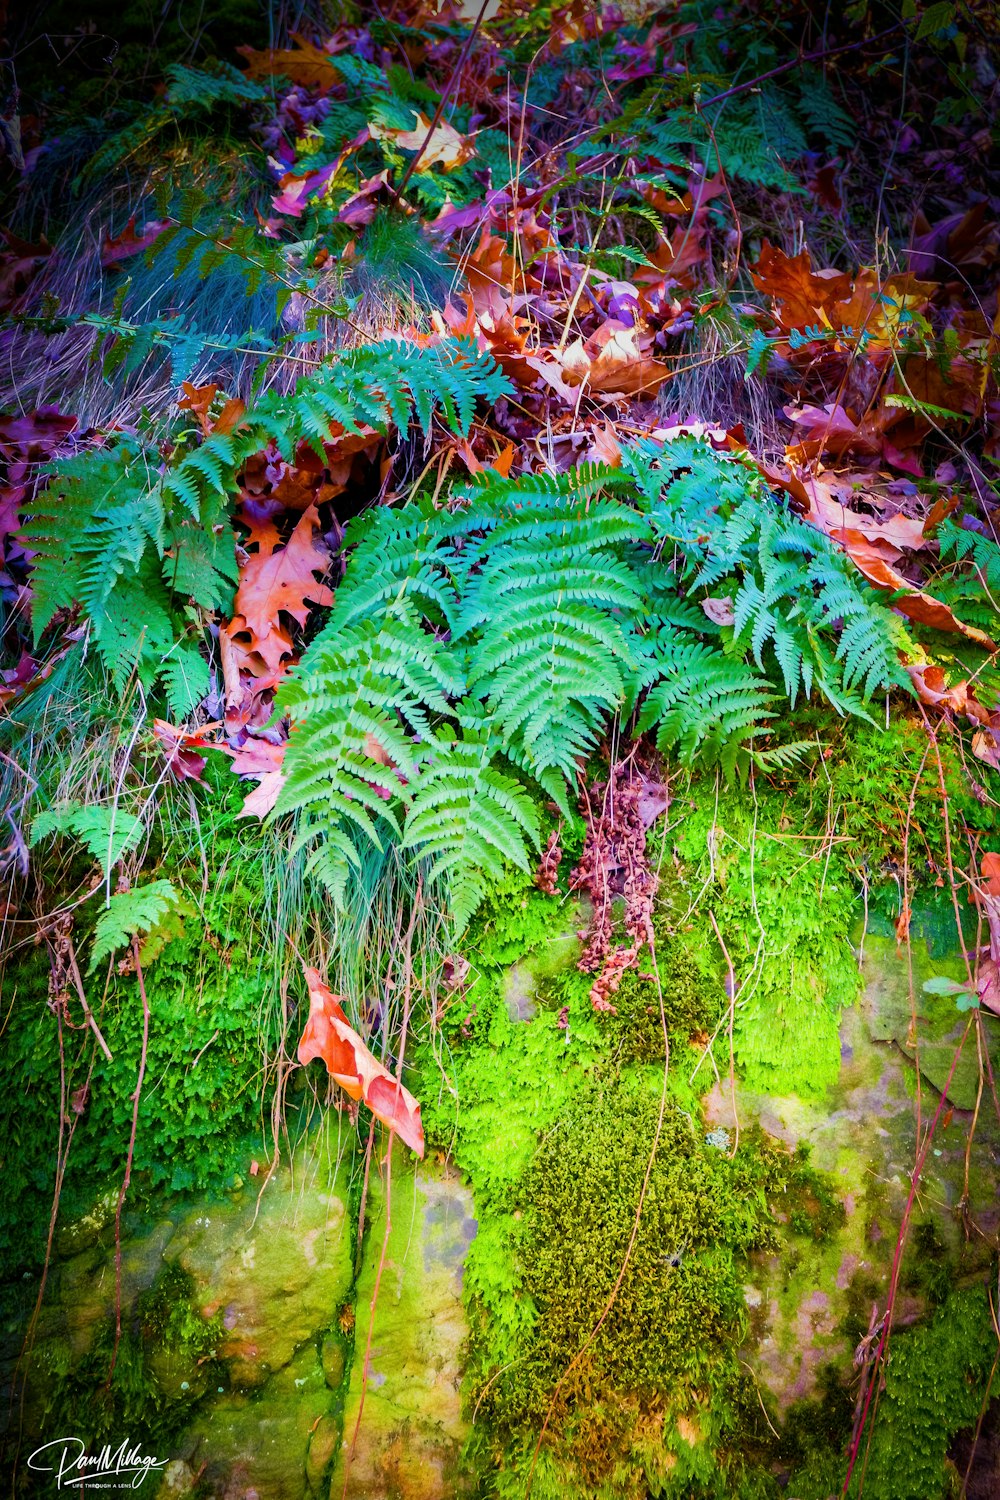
181	747
329	1035
442	146
986	743
198	399
915	603
264	759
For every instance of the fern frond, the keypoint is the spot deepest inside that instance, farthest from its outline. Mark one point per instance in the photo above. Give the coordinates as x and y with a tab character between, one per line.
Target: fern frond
107	833
704	703
128	914
187	681
468	818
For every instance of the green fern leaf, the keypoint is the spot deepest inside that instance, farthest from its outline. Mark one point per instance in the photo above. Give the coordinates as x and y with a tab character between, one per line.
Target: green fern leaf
127	915
187	681
469	819
107	833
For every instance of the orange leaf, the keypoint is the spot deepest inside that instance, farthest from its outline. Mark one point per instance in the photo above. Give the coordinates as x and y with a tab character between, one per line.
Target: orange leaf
229	416
303	63
280	579
441	145
991	873
329	1035
822	510
796	290
198	399
986	745
914	603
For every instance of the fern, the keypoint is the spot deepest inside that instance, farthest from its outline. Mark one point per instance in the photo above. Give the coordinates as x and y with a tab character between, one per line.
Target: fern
798	604
130	544
199	88
127	915
971	584
370	686
469	818
186	681
475	654
703	703
550	655
822	115
107	833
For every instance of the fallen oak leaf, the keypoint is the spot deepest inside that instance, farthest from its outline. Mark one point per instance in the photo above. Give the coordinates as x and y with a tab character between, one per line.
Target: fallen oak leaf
329	1035
257	758
917	605
604	446
198	399
296	190
720	611
181	747
986	743
988	984
443	145
263	759
361	207
259	802
275	580
304	63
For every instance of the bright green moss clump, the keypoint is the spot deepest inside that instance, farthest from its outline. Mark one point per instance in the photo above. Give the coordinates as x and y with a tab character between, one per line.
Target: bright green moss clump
191	1115
784	914
661	1382
935	1385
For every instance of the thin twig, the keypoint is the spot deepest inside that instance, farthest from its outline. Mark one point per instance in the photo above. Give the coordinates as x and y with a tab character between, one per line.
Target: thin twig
798	62
435	121
128	1160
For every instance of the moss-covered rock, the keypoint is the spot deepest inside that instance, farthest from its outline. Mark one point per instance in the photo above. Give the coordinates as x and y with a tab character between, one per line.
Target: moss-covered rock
272	1263
403	1424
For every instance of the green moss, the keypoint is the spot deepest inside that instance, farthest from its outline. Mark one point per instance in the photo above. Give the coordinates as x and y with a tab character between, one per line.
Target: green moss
664	1364
812	1206
784	915
210	1022
160	1334
874	774
692	1005
936	1384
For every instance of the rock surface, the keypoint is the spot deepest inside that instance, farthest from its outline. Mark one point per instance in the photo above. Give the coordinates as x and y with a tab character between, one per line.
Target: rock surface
276	1272
403	1427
